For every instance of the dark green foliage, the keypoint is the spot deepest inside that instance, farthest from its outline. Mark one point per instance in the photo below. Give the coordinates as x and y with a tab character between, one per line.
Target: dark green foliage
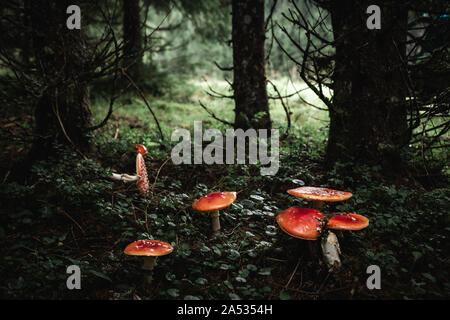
70	213
64	209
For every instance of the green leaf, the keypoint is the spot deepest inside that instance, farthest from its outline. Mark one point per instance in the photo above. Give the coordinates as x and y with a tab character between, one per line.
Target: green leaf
234	254
173	292
285	296
228	284
429	277
234	296
170	276
417	255
252	267
201	281
100	275
265	271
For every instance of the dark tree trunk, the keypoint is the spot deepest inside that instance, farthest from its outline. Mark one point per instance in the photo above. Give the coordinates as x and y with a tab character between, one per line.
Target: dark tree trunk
27	42
368	120
250	94
62	113
132	37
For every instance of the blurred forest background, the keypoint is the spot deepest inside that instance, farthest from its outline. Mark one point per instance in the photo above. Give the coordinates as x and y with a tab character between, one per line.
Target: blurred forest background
365	111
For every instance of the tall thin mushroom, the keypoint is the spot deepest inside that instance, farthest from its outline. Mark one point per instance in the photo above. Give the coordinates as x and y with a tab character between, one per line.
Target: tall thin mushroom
141	170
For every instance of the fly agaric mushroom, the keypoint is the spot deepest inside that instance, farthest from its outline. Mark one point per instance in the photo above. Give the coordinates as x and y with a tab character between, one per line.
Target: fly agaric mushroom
150	250
141	170
329	245
347	221
340	221
301	223
320	195
214	202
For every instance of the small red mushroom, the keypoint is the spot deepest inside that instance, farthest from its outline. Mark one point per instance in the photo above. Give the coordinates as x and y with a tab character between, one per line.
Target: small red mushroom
150	250
347	221
214	202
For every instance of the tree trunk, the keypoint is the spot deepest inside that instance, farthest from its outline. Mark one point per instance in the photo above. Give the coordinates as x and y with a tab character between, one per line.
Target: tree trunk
250	94
62	114
26	47
368	120
132	37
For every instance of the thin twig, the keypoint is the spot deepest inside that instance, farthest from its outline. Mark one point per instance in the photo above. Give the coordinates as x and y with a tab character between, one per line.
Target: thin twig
213	115
145	101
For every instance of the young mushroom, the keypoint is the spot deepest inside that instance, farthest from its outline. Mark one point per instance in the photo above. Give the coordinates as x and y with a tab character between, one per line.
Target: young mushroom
330	244
141	170
347	221
150	250
213	202
341	221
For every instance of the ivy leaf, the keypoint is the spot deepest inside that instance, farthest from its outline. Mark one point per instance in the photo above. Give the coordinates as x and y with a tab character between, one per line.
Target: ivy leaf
285	296
240	279
234	254
258	198
201	281
100	275
265	272
173	292
234	296
417	255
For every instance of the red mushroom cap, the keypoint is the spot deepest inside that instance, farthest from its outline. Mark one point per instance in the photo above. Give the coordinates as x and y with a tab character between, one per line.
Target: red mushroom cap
320	194
141	149
348	221
148	248
303	223
214	201
141	170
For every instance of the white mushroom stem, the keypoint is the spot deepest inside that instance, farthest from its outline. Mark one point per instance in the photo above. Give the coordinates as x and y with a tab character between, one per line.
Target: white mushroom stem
124	177
330	245
148	265
331	251
215	222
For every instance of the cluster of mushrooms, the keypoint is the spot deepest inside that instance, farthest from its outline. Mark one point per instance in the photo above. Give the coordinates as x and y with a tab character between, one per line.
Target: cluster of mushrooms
302	223
310	224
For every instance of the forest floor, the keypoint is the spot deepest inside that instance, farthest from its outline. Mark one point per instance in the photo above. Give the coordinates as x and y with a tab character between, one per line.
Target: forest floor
69	212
